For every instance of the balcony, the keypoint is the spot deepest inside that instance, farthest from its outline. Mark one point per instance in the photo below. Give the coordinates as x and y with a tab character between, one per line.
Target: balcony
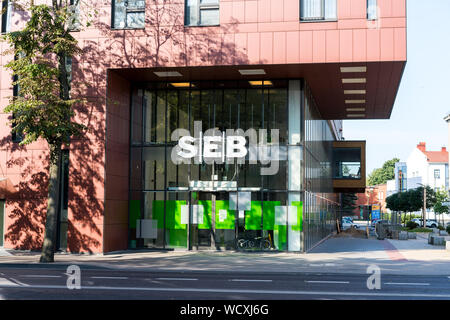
349	166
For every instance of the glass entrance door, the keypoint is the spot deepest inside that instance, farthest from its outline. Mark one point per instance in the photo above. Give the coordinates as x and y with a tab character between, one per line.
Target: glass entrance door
212	221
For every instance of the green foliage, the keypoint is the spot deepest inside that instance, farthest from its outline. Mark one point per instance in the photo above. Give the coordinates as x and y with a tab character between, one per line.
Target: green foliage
43	108
349	202
441	196
384	174
411	200
448	228
411	225
423	230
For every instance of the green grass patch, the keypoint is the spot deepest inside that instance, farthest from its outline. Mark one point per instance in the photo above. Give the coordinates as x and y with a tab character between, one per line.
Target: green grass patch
417	229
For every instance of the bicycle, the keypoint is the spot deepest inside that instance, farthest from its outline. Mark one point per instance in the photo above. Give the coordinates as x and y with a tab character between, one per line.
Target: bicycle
258	242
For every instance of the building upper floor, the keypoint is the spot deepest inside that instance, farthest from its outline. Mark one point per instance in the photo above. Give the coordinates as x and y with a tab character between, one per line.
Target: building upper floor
352	53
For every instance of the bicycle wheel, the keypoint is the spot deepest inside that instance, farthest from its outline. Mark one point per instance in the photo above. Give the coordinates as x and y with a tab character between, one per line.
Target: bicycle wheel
250	244
242	243
266	245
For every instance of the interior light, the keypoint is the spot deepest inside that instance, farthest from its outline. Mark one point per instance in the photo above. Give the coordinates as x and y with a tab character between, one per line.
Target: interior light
354	80
260	83
353	69
354	101
356	109
252	72
163	74
181	84
354	91
356	115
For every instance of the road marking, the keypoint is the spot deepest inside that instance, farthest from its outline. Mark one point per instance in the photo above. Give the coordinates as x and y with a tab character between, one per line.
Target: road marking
6	282
250	280
320	281
279	292
407	284
119	278
178	279
19	282
40	276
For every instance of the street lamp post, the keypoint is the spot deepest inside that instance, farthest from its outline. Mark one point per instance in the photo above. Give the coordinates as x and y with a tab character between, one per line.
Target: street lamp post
368	205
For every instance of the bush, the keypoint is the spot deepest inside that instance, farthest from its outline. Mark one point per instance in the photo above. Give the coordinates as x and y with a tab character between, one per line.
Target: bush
441	227
411	225
448	228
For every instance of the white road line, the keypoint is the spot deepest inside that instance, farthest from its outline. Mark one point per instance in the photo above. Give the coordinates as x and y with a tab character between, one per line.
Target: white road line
178	279
40	276
6	282
407	284
250	280
119	278
19	282
338	282
279	292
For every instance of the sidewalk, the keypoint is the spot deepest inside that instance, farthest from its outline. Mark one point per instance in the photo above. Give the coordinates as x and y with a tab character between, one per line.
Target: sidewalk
335	255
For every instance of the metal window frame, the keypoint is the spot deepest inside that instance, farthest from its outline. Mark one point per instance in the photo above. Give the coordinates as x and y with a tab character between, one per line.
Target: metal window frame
375	14
322	13
127	10
203	7
5	15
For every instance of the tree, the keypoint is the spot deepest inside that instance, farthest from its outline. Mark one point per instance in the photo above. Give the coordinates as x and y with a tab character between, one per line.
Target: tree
384	174
44	108
349	202
410	201
441	196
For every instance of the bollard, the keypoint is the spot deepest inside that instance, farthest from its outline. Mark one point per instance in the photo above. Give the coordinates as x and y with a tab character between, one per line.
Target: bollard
403	235
439	241
430	238
412	235
447	245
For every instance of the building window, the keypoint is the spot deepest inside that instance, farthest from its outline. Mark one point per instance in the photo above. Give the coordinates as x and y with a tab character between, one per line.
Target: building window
372	10
437	174
6	16
74	20
316	10
128	14
202	13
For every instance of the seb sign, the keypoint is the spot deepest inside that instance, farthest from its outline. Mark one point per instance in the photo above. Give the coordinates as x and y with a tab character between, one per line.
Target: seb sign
215	146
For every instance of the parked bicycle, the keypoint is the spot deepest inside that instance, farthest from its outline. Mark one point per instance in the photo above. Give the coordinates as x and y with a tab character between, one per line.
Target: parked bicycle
258	242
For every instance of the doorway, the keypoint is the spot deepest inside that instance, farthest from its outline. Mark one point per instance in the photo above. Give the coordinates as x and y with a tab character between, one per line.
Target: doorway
212	221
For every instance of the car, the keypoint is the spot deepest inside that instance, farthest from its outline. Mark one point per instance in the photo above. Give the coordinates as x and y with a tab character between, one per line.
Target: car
431	223
348	223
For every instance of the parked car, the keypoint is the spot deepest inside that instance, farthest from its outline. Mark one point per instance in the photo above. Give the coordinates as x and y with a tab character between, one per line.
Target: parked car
431	223
348	223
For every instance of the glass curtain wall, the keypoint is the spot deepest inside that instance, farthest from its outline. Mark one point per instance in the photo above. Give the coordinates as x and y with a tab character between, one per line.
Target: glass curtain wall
320	204
164	211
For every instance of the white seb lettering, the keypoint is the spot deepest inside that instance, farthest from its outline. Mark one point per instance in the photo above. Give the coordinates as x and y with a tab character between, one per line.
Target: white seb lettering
231	146
213	147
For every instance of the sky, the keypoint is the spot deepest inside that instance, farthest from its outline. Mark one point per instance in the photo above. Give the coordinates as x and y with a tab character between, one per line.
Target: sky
423	98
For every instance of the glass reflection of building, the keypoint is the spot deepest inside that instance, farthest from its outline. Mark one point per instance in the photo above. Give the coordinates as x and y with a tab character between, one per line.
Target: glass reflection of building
401	177
291	210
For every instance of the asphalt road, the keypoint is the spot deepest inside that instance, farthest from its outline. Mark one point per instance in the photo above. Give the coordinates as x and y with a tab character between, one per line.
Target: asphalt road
25	282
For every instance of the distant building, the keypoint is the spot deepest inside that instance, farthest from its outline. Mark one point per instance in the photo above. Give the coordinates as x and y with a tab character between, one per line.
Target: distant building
427	167
401	176
374	195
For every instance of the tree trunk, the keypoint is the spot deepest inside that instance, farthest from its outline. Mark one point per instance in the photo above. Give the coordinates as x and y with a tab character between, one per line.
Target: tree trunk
49	245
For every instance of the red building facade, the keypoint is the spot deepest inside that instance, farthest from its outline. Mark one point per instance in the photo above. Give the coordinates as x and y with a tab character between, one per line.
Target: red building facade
352	66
